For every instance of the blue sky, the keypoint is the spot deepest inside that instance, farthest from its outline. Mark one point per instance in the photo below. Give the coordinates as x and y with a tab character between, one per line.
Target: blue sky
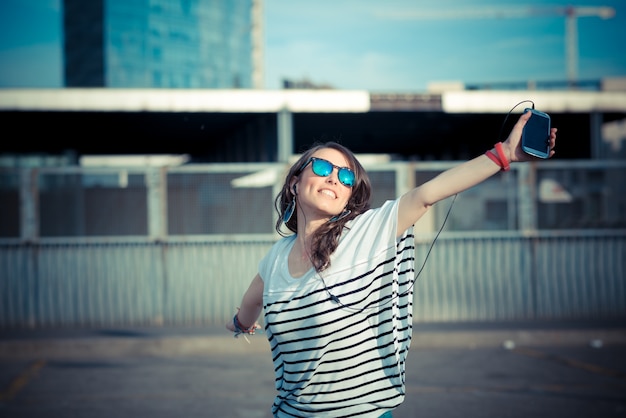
367	44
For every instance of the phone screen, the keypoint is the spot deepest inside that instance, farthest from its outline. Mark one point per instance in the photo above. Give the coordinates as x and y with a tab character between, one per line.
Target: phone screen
536	135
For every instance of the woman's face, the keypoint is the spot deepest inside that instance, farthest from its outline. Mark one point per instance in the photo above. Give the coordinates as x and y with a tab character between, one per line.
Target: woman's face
323	197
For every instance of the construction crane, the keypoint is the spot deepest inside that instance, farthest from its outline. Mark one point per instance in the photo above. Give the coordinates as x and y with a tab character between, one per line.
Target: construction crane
571	13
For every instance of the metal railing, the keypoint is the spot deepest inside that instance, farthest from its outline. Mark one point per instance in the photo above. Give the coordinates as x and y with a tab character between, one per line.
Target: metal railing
133	246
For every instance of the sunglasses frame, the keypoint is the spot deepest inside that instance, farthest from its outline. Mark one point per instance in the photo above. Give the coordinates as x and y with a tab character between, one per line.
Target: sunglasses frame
312	161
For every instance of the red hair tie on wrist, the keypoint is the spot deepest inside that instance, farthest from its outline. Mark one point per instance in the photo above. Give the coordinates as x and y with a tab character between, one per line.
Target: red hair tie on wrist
503	160
493	157
499	158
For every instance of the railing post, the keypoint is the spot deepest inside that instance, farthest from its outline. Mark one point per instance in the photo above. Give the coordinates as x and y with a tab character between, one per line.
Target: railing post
285	135
527	197
29	205
156	179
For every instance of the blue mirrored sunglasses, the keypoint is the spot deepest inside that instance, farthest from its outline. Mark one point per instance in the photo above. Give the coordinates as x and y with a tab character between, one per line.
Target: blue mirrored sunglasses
323	168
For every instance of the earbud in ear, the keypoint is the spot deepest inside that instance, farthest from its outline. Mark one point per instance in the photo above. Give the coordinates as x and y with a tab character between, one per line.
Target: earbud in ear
295	190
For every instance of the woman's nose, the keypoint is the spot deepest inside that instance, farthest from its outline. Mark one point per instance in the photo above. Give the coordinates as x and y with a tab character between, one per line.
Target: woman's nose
333	176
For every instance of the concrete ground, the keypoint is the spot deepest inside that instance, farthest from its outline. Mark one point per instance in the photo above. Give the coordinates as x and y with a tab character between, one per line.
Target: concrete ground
454	370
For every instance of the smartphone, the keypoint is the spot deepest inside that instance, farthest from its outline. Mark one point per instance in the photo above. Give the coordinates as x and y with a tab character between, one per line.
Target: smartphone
536	134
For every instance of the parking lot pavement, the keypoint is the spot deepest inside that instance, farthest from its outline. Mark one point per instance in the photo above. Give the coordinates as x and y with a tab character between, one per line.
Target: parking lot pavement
171	373
561	381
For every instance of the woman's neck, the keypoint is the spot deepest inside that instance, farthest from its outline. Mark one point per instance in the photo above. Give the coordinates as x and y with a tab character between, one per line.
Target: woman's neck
303	248
307	228
300	257
303	244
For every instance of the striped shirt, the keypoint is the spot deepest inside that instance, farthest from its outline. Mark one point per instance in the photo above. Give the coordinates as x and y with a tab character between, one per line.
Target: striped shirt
340	338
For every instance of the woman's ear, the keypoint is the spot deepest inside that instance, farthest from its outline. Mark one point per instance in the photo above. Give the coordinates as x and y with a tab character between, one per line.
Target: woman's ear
293	187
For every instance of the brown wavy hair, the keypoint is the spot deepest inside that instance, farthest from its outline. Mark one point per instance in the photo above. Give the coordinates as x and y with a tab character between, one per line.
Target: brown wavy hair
326	238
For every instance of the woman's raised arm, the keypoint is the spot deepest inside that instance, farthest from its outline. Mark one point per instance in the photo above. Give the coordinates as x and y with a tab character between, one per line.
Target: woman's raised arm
416	202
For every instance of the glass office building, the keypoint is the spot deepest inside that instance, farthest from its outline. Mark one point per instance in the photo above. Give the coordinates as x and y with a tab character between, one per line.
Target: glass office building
163	43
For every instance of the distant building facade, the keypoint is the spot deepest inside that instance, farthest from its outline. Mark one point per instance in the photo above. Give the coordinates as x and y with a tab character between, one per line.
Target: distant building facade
163	43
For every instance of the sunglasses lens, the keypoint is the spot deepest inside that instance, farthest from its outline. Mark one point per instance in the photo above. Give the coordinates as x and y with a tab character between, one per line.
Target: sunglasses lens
322	168
346	177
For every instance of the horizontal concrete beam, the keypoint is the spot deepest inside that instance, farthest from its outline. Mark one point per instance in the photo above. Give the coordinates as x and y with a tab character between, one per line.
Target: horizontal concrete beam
166	100
547	101
306	101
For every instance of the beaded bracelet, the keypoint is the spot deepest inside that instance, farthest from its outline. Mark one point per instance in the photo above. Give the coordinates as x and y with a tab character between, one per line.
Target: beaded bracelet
240	329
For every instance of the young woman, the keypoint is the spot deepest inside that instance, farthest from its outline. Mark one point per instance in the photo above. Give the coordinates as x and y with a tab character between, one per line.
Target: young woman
337	293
